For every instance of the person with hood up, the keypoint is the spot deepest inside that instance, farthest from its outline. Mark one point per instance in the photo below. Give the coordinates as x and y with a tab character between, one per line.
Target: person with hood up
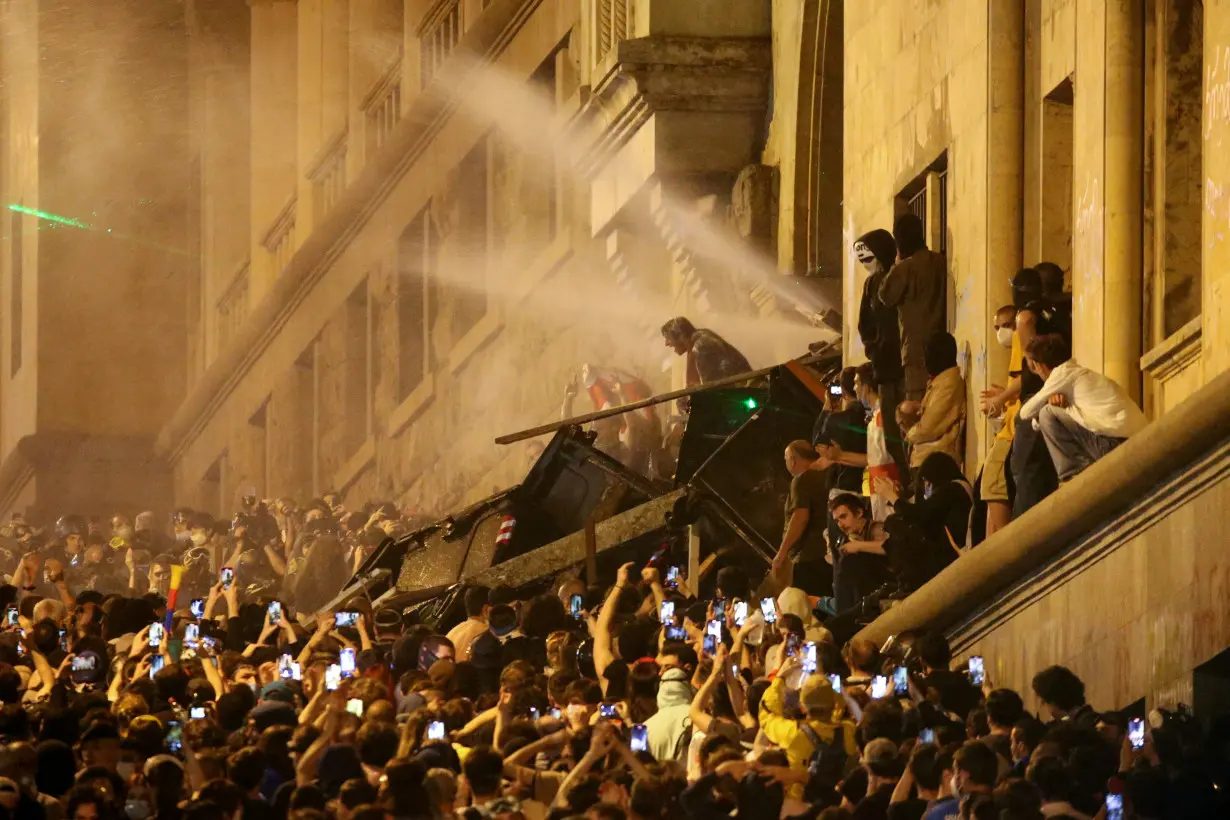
794	601
669	725
880	333
940	427
917	286
823	723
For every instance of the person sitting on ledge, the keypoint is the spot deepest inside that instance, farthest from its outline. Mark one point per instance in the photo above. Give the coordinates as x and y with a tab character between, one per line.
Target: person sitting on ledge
1081	414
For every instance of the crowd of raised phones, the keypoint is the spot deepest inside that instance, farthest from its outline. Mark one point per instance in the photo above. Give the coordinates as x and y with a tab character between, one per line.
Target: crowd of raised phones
642	698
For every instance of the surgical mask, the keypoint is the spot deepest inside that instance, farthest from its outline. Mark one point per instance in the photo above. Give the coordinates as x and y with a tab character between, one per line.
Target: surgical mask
199	538
125	769
137	809
954	785
186	535
1004	336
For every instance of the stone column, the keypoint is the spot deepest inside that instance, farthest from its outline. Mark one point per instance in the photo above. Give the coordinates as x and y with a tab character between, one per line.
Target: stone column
1005	191
274	67
1088	150
1216	220
1124	201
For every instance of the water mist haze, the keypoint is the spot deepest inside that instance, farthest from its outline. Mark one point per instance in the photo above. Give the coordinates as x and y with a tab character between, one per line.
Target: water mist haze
617	316
526	118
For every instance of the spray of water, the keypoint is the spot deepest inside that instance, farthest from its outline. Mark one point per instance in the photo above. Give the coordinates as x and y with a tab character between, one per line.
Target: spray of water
606	319
527	119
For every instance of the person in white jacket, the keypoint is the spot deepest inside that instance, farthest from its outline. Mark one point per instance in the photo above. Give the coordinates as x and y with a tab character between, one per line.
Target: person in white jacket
1082	414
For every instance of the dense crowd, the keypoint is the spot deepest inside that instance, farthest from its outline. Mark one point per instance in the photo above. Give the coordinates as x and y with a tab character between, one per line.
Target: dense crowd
273	548
638	699
201	672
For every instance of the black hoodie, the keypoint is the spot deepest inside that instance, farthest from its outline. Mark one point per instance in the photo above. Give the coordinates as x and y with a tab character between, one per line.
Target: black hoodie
877	323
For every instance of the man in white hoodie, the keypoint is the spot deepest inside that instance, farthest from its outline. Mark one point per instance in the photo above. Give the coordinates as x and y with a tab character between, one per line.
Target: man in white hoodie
1082	414
666	729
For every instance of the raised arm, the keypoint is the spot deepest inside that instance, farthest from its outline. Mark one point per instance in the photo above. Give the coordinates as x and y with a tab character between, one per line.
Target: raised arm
603	654
700	718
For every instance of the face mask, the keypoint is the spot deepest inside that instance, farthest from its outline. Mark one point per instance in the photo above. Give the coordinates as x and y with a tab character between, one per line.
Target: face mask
927	488
954	785
199	538
125	768
1004	337
136	809
186	535
872	266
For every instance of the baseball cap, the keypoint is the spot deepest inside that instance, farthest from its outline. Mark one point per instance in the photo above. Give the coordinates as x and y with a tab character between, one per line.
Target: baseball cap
817	694
279	691
882	758
503	620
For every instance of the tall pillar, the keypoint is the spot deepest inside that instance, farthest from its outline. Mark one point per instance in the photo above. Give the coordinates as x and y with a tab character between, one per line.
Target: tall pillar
274	96
1124	158
1108	148
1089	183
1005	187
1215	281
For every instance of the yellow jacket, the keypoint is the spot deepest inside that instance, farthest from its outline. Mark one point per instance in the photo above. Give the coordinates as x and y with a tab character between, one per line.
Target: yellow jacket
785	732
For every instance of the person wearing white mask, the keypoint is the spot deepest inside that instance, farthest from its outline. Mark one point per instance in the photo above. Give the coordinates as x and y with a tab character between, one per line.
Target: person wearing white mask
880	334
1001	402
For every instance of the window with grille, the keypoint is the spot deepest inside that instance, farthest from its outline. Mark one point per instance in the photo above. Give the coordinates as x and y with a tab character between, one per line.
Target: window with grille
927	198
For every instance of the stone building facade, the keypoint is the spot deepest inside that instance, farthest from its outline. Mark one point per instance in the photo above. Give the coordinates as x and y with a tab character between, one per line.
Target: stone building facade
98	247
1084	132
418	220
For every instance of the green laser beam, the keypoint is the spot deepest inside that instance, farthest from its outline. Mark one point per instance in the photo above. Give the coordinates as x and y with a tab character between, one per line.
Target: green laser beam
69	221
50	217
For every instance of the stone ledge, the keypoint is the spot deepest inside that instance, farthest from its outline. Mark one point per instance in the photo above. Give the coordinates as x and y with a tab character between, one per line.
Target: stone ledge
410	409
1105	493
1174	354
484	330
363	458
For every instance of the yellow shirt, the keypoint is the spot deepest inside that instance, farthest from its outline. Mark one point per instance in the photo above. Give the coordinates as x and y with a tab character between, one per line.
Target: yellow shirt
1015	363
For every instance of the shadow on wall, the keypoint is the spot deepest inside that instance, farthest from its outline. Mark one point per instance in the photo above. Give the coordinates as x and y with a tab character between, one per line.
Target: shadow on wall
85	475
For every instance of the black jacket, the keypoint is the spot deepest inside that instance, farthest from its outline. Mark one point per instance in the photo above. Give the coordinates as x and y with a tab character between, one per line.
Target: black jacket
879	332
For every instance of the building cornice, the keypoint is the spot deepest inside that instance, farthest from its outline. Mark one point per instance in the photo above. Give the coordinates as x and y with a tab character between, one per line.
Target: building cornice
643	76
426	115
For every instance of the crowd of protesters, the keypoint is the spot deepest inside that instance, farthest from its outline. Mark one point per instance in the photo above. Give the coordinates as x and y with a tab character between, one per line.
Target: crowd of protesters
882	498
202	671
640	699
